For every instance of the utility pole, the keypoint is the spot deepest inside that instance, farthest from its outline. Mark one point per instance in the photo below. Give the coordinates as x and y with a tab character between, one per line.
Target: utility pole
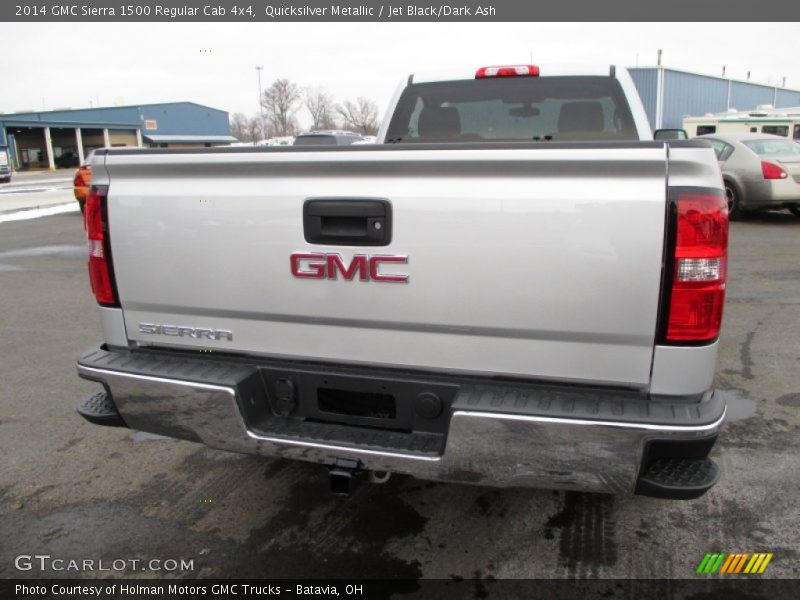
259	68
659	93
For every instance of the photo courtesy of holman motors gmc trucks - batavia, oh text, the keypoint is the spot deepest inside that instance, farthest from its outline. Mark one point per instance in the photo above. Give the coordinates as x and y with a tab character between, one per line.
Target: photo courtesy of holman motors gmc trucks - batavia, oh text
516	286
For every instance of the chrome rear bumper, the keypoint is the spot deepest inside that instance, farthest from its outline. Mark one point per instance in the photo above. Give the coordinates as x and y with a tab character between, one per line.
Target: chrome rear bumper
489	441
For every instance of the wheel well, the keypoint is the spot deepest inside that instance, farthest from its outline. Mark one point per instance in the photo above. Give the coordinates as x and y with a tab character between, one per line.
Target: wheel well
733	183
737	188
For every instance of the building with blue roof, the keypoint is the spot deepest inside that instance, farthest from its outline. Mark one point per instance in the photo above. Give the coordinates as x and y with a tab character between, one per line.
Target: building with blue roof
63	138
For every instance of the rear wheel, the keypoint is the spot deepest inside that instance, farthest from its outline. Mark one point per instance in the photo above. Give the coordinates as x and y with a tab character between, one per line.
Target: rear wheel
734	198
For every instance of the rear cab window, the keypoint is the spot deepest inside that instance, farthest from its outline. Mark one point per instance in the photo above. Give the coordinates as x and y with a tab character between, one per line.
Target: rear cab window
513	109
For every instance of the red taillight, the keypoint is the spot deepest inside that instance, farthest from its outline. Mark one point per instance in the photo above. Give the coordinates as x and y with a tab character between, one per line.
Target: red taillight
97	236
772	171
700	267
78	181
509	71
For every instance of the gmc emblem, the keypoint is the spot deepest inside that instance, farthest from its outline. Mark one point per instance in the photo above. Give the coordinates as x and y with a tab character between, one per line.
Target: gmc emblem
319	265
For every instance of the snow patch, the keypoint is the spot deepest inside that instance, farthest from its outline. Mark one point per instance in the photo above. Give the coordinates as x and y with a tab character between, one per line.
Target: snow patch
35	213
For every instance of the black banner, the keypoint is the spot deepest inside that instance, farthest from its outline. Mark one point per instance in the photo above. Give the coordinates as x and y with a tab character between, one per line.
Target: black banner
248	11
751	588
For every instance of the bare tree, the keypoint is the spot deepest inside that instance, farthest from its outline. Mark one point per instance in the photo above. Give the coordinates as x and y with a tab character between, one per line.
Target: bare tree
281	101
361	115
239	127
319	104
255	129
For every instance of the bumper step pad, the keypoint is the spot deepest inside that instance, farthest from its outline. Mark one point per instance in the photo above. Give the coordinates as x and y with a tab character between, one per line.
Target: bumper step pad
678	478
100	410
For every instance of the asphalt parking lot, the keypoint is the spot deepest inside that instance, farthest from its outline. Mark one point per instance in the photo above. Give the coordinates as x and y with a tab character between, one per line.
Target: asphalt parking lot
72	490
36	189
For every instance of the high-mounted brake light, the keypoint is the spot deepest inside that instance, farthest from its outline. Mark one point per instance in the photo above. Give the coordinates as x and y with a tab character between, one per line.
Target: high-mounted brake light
100	272
772	171
700	267
509	71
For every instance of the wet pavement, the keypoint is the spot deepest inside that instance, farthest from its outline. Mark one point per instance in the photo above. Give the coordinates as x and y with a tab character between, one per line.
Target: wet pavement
73	490
25	198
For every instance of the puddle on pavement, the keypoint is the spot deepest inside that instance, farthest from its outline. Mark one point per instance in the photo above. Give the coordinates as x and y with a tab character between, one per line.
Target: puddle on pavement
792	400
739	407
68	251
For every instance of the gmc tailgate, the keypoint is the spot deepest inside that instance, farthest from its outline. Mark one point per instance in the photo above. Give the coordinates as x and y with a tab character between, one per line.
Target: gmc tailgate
542	261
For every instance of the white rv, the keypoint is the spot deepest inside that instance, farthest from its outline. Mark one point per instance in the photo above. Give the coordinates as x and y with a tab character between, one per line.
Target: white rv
765	119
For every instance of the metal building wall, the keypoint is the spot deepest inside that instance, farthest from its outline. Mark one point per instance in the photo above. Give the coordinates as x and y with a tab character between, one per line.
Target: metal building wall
646	82
185	118
691	94
787	98
746	96
688	94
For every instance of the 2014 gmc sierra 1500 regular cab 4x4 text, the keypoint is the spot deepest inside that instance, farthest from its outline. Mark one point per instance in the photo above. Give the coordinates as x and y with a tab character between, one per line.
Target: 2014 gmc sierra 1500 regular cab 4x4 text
516	286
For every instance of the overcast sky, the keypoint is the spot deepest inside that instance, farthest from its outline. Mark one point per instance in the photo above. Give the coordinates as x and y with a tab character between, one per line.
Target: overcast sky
72	65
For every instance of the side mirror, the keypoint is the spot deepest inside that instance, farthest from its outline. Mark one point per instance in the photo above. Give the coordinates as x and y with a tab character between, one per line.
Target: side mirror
670	134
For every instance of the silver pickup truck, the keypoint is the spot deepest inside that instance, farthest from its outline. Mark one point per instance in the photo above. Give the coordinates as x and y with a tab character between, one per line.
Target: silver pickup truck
516	286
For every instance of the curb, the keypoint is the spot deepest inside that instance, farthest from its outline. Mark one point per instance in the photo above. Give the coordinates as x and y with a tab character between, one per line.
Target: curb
40	182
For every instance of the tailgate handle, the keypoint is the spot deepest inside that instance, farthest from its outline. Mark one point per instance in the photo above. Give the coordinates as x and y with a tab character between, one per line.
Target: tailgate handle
347	222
